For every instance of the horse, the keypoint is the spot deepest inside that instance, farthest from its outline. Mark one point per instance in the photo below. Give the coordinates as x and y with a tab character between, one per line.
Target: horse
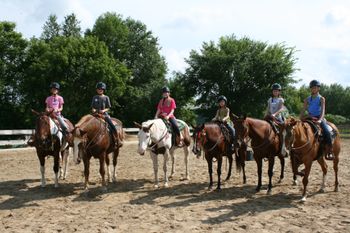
92	139
48	140
304	145
265	143
155	137
211	139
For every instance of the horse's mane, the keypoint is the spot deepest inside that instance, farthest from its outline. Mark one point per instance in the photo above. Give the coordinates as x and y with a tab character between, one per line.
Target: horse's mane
84	119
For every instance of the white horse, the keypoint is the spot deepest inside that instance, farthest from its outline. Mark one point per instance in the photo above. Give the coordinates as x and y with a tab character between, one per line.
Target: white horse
154	136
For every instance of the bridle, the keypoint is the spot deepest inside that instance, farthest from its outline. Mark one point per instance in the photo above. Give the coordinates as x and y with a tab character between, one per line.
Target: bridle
292	141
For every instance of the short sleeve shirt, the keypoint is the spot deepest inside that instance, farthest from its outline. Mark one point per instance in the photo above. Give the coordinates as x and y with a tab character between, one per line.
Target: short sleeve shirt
165	106
100	102
274	104
54	102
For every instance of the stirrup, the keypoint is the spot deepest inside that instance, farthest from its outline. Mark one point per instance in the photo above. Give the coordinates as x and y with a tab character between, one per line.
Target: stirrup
329	156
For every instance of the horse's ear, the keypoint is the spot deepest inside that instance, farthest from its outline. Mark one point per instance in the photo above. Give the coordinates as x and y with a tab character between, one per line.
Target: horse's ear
243	116
149	127
137	125
35	112
49	112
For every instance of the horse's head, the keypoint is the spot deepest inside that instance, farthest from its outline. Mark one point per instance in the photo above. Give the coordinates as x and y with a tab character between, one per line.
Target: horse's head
289	126
197	135
79	139
241	127
42	129
144	137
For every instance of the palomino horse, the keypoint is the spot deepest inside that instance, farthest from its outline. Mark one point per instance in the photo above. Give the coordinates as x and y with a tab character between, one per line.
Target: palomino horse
264	142
48	140
305	147
154	136
92	139
211	139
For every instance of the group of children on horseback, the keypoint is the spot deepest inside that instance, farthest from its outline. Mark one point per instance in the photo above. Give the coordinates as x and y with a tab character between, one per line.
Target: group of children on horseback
314	105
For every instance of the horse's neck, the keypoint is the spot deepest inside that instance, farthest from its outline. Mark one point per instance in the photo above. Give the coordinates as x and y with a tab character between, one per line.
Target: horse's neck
304	133
254	132
158	129
93	126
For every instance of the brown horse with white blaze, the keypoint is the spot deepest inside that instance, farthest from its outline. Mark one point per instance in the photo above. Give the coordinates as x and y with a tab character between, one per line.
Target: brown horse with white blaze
305	147
265	143
48	140
92	139
211	139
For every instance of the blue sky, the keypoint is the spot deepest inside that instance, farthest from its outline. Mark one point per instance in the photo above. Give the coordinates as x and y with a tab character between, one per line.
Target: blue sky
320	30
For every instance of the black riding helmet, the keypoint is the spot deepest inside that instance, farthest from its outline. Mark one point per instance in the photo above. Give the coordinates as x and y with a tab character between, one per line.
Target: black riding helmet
222	97
101	85
55	85
314	83
276	86
165	89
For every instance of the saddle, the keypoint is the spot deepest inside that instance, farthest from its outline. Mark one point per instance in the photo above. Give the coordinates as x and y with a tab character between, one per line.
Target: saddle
225	131
275	124
171	131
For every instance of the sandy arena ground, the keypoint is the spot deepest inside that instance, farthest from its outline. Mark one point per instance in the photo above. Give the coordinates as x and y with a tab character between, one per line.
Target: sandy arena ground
133	205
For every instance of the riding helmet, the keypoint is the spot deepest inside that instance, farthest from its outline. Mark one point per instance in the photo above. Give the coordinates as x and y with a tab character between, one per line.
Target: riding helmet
165	89
276	86
101	85
314	83
222	97
55	85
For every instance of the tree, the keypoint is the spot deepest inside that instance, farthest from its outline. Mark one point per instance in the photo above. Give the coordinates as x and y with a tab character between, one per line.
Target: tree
12	50
71	26
132	44
77	64
241	69
51	28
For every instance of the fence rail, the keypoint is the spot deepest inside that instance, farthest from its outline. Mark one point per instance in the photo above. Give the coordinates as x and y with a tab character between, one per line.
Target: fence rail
25	134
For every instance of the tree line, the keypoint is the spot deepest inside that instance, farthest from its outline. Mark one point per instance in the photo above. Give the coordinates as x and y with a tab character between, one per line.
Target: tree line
125	55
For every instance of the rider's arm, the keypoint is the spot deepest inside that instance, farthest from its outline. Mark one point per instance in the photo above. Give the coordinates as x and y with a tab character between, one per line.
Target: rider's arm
323	108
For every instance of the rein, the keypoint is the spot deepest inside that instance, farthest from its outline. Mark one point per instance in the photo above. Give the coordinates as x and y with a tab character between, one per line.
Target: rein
151	147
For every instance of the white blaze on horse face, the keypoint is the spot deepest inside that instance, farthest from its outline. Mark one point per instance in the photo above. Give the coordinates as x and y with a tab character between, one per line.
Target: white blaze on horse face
144	139
77	141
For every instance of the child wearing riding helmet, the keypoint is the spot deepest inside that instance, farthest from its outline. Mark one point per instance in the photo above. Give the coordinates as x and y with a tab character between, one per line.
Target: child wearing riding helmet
165	110
315	105
223	115
275	104
55	103
101	104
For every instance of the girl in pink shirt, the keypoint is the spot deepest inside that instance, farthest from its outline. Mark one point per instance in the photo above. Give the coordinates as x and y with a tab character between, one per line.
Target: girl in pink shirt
165	109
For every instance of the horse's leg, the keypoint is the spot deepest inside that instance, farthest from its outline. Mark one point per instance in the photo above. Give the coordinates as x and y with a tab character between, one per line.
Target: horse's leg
270	172
335	167
65	163
323	165
155	169
108	169
219	172
166	156
282	162
210	170
86	161
230	160
102	169
306	178
56	166
41	158
172	156
258	160
294	168
186	152
243	170
61	164
115	160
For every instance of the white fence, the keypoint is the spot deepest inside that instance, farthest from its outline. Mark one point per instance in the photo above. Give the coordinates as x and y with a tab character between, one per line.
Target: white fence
25	135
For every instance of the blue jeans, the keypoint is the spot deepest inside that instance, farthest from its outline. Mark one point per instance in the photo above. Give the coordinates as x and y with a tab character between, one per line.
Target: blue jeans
62	123
173	123
326	133
232	131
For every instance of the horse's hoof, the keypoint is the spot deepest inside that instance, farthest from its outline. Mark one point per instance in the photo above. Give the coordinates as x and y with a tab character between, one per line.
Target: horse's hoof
280	181
303	199
218	189
156	186
257	190
269	192
166	185
336	189
210	188
104	188
295	183
56	185
114	180
321	190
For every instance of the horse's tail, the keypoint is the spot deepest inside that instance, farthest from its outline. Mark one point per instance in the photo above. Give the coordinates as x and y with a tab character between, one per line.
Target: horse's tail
240	158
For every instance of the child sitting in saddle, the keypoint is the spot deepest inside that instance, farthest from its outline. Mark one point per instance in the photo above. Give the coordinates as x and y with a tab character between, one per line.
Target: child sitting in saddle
223	115
315	105
101	104
275	107
165	110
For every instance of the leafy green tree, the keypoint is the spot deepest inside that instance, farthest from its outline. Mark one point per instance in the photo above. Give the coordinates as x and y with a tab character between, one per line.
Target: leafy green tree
132	44
51	28
71	26
241	69
12	50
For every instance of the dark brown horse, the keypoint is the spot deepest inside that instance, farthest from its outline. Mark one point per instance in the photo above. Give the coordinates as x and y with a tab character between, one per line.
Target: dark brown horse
211	139
264	142
92	139
305	147
48	140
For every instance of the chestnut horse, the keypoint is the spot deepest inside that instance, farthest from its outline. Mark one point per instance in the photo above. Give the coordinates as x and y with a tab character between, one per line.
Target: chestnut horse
305	147
92	139
264	142
48	140
155	137
211	139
